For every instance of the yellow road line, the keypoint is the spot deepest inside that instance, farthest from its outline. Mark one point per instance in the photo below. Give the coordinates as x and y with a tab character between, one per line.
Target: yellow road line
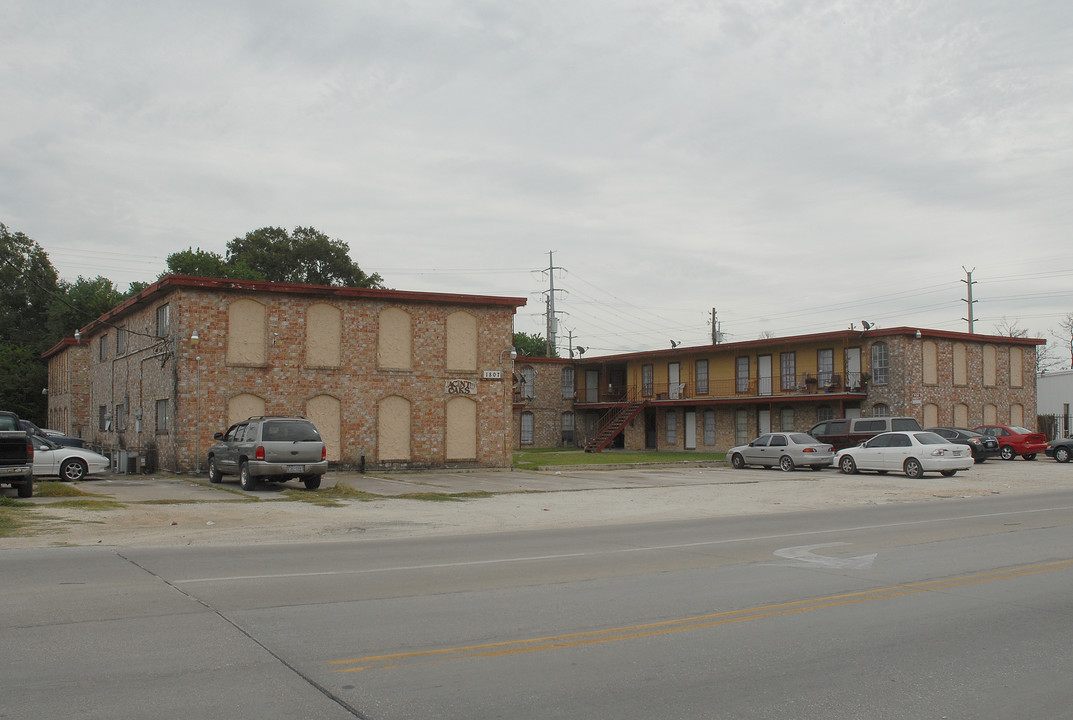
697	622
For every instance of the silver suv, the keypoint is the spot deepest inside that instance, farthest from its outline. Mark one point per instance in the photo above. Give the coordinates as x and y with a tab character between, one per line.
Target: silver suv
276	449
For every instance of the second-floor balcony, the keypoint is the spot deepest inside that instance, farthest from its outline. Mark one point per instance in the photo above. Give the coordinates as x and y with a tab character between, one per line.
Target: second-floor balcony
727	389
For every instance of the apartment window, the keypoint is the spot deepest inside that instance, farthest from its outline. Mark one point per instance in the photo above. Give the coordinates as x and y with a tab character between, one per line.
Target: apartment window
120	417
568	428
880	363
162	423
701	372
742	374
824	413
788	370
741	427
163	320
881	410
647	380
709	427
528	387
568	384
103	347
672	428
102	418
527	429
121	341
786	419
825	366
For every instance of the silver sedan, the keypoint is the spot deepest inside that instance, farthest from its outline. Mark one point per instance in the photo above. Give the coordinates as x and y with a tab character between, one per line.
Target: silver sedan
786	450
913	453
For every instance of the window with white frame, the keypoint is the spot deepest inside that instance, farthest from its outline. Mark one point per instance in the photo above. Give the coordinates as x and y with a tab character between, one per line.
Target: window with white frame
526	437
672	428
701	371
880	363
163	320
709	427
786	419
788	370
568	428
103	347
825	366
742	374
568	383
528	384
121	341
647	380
824	413
881	410
741	427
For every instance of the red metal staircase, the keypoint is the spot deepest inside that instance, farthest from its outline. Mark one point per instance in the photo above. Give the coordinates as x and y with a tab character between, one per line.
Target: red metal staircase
613	426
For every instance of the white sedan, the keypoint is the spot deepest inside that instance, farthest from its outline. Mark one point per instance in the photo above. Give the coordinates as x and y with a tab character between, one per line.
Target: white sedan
911	452
69	463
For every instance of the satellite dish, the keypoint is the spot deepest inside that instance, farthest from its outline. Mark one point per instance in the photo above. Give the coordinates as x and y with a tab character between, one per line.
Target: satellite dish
867	325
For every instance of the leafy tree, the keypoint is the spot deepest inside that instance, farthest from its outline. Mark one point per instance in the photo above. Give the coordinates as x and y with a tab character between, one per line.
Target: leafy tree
79	303
204	263
532	345
303	256
27	284
22	377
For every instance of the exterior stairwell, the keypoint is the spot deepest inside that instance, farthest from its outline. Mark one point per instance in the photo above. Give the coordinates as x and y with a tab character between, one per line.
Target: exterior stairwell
607	432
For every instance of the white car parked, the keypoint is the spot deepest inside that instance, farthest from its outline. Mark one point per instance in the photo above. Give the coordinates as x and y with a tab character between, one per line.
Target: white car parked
69	463
911	452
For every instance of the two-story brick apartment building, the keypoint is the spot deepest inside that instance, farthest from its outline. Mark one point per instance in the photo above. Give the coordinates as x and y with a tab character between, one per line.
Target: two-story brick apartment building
391	378
714	396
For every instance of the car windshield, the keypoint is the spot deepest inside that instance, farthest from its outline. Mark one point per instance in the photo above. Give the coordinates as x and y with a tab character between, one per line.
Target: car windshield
802	439
929	438
290	431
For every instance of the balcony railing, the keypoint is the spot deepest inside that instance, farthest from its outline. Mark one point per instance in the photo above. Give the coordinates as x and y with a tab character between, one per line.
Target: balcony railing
802	384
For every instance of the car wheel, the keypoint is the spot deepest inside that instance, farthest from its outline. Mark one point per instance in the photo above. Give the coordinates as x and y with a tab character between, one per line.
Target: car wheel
1061	454
73	470
312	482
786	463
1030	456
214	472
948	473
1007	453
26	489
913	469
847	465
737	461
247	481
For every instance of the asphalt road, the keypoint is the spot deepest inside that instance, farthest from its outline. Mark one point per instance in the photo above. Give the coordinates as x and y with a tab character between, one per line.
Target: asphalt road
958	609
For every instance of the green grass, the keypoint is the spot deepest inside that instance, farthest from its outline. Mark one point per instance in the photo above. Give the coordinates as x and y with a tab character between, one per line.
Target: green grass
52	488
13	515
531	459
333	496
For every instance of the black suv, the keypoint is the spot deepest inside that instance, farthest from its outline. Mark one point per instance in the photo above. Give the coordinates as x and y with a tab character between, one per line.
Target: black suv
276	449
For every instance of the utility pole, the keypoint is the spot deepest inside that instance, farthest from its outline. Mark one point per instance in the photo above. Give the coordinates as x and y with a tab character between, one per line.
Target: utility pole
717	336
969	282
552	321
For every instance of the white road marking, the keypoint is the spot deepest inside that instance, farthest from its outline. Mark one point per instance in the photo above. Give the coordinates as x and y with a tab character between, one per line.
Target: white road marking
804	557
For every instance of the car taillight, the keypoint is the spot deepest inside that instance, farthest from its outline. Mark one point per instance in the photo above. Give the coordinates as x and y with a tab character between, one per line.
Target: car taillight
323	452
29	451
808	449
259	453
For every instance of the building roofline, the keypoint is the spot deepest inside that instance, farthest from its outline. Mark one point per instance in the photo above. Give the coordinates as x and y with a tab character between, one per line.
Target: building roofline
837	335
172	282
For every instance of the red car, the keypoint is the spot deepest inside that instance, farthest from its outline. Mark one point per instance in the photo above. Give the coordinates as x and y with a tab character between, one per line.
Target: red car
1014	440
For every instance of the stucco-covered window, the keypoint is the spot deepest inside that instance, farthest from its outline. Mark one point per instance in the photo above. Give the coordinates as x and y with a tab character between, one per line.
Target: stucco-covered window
961	415
247	342
961	365
461	341
990	414
931	363
324	335
461	430
393	429
990	366
1017	372
931	414
1017	414
394	346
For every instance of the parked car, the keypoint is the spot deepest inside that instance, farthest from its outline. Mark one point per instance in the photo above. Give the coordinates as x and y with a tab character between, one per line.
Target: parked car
983	446
277	449
1060	450
54	435
1015	440
913	453
787	450
848	432
69	463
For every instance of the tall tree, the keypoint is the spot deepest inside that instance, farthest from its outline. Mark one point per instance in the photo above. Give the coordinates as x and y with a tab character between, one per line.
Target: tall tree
303	256
205	263
531	345
80	302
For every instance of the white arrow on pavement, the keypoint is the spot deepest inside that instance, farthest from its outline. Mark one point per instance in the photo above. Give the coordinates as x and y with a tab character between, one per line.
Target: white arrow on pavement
806	558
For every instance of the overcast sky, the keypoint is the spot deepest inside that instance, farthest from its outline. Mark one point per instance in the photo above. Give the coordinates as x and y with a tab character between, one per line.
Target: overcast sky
798	166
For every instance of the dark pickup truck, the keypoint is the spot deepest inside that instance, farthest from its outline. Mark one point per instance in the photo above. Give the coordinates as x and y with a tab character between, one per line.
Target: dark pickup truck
16	455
